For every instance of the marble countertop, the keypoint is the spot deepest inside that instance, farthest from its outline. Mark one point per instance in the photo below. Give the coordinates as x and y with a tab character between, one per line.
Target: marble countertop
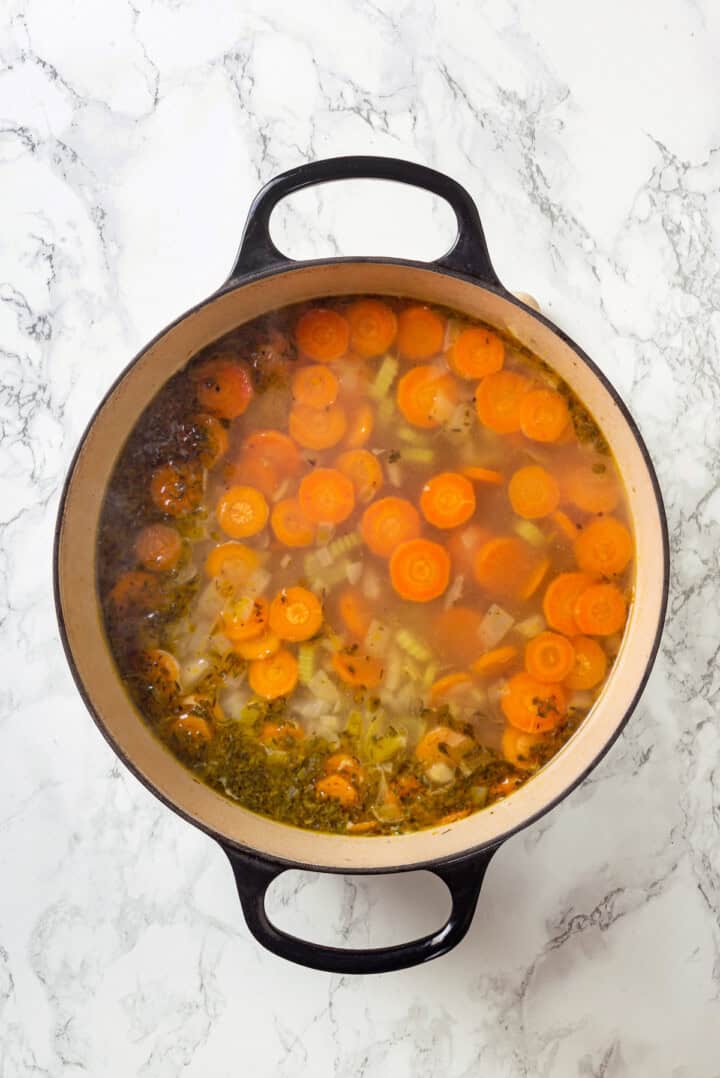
134	134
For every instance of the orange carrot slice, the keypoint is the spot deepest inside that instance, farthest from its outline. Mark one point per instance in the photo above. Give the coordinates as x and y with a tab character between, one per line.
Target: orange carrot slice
357	669
354	612
592	491
484	475
158	548
456	634
223	386
258	647
212	438
274	448
233	559
326	496
290	524
445	685
604	546
275	676
502	566
533	492
476	352
421	333
317	428
544	415
177	489
242	511
600	610
498	399
442	744
295	614
590	664
533	706
373	327
549	657
135	592
315	386
447	500
363	470
427	396
419	570
387	523
492	662
322	334
245	619
560	598
337	788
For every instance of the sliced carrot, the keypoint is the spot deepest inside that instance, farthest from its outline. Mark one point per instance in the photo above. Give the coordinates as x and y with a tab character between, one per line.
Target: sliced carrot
322	334
315	386
245	618
407	786
464	543
560	598
354	612
600	610
445	685
160	673
177	489
317	428
484	475
421	333
442	744
592	491
373	327
533	706
275	676
363	470
533	492
295	614
232	559
564	525
342	763
212	437
242	511
447	500
419	570
502	566
360	427
192	731
259	647
476	352
427	396
604	546
280	735
498	400
290	524
387	523
358	669
517	747
136	592
337	788
590	664
456	634
158	548
251	470
549	657
492	662
223	386
534	579
275	449
544	415
362	827
326	496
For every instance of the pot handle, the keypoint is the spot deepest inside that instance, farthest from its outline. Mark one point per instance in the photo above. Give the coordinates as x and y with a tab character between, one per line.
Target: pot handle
253	876
468	255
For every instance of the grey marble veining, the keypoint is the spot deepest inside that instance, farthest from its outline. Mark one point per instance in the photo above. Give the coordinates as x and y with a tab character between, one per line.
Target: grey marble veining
133	134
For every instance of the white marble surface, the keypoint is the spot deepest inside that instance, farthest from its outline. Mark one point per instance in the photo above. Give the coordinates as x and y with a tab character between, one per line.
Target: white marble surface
133	134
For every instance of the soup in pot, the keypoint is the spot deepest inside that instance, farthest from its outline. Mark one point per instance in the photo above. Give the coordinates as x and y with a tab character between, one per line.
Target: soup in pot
364	565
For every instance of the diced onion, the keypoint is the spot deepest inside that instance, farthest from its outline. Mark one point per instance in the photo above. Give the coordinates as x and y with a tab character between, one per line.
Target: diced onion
322	687
440	774
353	571
371	584
455	591
531	626
581	701
496	624
377	638
394	474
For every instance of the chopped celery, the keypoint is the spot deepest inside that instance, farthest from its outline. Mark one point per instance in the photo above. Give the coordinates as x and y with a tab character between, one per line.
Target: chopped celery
414	647
407	434
531	626
343	544
430	675
306	662
530	532
384	377
417	455
385	411
385	747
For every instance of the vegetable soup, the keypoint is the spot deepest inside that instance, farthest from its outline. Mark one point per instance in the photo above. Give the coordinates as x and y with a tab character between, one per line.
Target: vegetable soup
365	565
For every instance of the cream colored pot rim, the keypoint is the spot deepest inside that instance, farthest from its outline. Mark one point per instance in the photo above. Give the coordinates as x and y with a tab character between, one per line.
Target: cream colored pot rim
497	839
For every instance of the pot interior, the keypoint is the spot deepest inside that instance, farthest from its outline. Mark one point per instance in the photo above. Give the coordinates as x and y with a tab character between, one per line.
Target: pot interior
80	613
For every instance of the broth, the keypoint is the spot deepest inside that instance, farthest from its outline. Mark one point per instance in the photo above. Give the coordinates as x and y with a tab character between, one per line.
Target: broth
365	565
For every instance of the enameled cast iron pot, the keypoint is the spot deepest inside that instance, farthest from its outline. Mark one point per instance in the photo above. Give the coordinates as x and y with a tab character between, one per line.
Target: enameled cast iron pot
260	849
